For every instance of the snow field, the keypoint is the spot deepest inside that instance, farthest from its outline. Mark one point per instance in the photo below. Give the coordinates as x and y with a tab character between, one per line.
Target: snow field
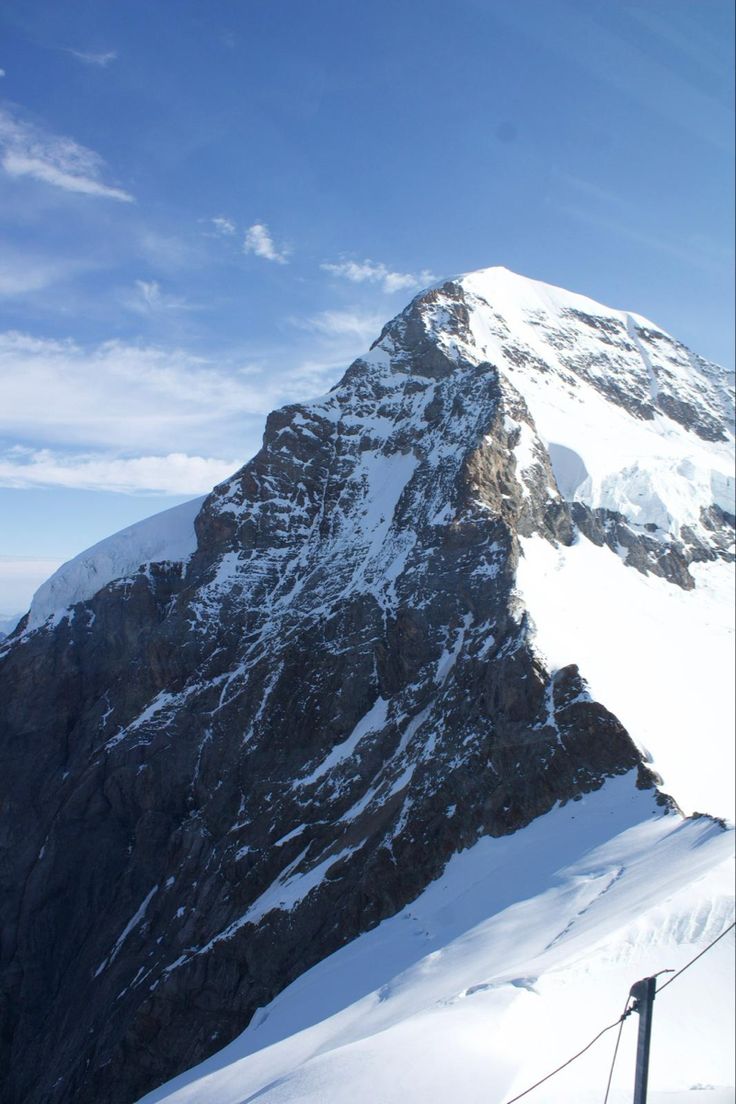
506	966
659	657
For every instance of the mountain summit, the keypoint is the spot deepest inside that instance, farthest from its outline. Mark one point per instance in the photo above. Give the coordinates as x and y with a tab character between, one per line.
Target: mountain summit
480	579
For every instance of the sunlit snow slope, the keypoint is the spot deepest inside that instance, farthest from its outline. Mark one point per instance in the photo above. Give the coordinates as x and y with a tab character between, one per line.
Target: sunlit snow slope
667	671
660	657
168	535
505	967
633	421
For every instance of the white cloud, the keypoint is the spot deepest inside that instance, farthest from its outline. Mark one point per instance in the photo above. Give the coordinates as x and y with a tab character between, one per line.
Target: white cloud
353	324
142	400
223	226
2	73
357	272
375	272
29	151
175	473
21	274
118	395
130	416
147	297
258	240
101	60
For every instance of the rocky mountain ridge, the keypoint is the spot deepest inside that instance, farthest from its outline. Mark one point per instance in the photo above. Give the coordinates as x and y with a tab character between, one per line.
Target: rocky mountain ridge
219	770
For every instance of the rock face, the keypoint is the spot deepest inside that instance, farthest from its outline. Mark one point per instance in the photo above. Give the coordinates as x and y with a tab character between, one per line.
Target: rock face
216	772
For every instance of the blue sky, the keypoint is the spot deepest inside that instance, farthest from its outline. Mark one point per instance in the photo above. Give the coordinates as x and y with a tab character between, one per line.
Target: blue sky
209	209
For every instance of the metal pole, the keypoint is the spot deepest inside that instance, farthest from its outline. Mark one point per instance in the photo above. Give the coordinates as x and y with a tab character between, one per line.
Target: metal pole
642	993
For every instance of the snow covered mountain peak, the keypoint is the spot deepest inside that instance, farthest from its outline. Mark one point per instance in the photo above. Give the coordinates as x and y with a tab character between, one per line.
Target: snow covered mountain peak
633	422
483	581
507	318
600	408
627	419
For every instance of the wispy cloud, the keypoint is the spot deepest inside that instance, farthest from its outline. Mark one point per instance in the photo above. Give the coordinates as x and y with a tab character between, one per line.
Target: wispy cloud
138	400
362	326
588	188
138	417
150	293
135	397
375	272
168	253
148	297
175	473
698	251
21	274
258	240
636	68
89	57
223	226
27	150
